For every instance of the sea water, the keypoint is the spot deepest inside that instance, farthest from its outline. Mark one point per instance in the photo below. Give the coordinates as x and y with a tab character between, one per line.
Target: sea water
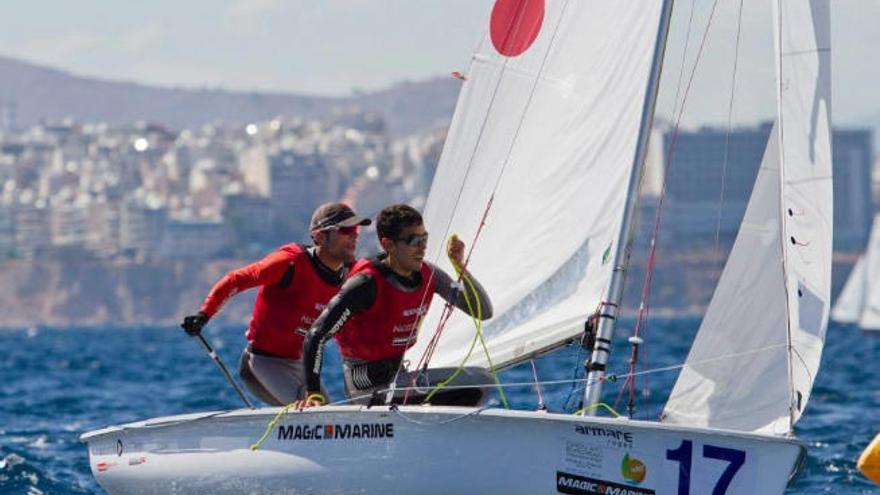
59	383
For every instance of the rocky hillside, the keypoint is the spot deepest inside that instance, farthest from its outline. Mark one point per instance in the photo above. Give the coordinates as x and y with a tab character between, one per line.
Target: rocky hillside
40	93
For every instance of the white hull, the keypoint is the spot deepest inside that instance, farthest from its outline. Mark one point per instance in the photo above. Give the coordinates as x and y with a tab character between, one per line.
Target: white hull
432	450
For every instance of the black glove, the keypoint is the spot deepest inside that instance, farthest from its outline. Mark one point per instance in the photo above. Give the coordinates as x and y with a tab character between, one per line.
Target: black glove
193	324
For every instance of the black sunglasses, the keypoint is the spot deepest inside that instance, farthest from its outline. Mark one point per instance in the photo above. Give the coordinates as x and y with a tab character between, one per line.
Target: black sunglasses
342	230
414	240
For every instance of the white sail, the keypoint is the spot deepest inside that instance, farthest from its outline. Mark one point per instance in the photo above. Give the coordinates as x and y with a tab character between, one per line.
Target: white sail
741	346
757	352
869	316
848	308
859	302
555	128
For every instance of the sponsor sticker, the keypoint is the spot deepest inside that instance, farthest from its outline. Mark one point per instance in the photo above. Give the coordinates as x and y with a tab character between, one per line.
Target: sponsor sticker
336	431
584	456
632	469
573	484
136	461
612	437
104	466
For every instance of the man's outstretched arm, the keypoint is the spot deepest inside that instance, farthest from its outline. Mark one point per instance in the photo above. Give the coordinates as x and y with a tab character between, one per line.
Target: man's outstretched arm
459	294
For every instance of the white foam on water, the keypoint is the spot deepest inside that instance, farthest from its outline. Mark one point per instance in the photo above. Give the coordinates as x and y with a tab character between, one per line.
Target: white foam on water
10	461
73	426
41	442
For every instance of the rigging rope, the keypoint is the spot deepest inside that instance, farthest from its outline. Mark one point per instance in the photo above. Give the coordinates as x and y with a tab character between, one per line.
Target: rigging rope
610	378
269	427
476	317
541	404
644	305
727	134
597	405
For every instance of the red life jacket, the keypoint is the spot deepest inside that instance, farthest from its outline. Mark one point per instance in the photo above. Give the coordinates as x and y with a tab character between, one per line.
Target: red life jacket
391	325
284	312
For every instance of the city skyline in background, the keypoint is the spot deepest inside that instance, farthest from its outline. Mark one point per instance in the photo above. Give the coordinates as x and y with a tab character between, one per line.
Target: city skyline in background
124	202
340	47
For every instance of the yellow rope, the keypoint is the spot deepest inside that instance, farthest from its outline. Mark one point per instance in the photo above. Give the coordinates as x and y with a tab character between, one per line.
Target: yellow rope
271	426
597	405
476	317
478	324
312	396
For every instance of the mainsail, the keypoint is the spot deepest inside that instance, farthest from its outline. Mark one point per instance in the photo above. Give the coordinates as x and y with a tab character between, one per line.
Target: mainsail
546	130
756	355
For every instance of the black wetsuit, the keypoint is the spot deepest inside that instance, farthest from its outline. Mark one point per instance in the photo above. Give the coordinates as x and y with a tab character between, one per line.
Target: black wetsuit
358	294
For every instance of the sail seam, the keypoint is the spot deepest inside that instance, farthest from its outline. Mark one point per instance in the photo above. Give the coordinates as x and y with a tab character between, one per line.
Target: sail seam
805	52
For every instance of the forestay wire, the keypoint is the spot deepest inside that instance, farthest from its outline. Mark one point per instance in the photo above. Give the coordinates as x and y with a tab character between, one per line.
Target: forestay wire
644	304
730	105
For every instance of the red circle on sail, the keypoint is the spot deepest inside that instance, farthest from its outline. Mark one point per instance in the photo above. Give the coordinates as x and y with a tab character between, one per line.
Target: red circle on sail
515	24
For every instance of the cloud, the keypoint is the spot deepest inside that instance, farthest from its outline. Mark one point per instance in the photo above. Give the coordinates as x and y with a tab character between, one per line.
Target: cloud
59	49
144	38
348	6
246	17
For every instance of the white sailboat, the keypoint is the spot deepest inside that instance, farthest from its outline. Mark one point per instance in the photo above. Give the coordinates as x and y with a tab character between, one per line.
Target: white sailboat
547	145
859	301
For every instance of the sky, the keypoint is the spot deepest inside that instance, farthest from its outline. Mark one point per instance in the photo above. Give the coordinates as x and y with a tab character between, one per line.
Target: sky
334	47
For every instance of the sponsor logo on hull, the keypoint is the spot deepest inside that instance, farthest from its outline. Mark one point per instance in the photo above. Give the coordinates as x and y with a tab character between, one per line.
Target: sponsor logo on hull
336	431
612	436
582	456
632	469
573	484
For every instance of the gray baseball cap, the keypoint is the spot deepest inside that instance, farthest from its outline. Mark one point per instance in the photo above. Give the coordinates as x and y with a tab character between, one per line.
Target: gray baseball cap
336	215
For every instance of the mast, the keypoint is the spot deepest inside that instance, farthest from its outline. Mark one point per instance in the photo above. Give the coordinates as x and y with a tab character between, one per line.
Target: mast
611	309
781	206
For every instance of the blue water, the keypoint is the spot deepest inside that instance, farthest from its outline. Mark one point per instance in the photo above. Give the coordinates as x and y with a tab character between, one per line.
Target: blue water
60	383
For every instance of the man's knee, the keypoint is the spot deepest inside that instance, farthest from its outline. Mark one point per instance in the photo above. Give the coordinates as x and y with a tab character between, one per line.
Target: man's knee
246	372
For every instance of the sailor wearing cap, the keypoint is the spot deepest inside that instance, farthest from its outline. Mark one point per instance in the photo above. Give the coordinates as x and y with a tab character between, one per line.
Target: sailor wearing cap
295	282
378	312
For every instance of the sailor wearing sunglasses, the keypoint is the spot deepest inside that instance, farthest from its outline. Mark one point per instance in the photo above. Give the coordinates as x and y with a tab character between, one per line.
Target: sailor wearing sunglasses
295	282
376	315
